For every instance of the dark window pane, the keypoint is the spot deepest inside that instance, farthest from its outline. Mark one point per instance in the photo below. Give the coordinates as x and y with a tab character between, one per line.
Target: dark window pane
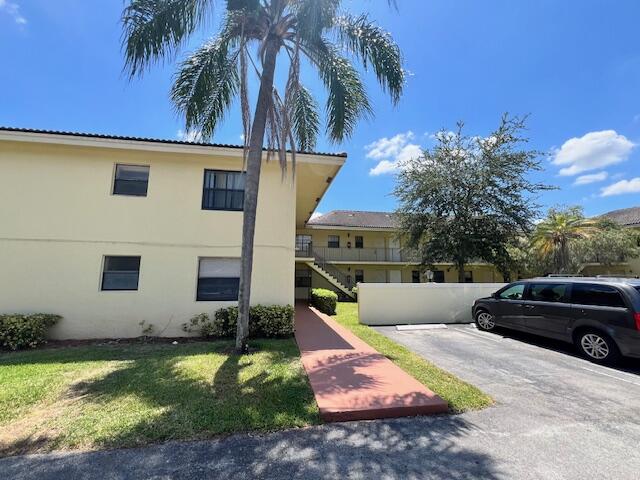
359	276
438	276
359	241
218	289
303	279
333	241
220	199
415	276
223	190
468	277
548	292
601	295
237	200
120	273
120	281
122	264
131	180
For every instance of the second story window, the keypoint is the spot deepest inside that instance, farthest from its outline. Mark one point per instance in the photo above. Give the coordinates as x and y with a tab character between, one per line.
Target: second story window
223	190
131	180
333	241
359	241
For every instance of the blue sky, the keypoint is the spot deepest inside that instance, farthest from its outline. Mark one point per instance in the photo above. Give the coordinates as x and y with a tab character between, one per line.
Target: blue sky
574	66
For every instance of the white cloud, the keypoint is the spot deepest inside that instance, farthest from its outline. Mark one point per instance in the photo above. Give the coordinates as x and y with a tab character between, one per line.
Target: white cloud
13	9
315	215
621	187
591	178
592	151
391	152
189	136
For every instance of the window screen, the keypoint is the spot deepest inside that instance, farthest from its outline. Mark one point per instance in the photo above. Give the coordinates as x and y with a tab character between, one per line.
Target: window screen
333	241
120	273
131	180
218	279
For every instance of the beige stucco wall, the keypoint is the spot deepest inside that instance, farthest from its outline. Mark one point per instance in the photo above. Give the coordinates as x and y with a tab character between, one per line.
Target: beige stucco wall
371	238
58	219
416	303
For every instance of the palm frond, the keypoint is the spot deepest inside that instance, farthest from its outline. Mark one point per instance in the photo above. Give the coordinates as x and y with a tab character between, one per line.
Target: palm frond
206	84
375	47
347	100
314	16
156	28
305	119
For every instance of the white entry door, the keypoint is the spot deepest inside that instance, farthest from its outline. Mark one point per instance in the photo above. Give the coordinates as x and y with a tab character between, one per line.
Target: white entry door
395	276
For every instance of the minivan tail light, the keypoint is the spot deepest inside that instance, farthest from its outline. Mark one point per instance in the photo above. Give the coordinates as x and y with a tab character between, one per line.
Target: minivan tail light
637	317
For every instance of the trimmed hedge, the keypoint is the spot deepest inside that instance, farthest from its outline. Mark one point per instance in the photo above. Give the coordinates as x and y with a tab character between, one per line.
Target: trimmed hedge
25	331
324	300
265	321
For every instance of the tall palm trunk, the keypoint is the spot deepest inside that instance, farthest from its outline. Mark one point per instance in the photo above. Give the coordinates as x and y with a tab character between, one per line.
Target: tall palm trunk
252	183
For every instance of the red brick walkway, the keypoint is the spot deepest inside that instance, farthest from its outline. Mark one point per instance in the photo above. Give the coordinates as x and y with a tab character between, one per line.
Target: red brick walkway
351	380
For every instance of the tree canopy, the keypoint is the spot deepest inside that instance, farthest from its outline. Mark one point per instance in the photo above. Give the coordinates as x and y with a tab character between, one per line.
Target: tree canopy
469	197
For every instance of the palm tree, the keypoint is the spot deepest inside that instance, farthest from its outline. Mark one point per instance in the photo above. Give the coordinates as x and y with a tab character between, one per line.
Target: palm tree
209	79
552	236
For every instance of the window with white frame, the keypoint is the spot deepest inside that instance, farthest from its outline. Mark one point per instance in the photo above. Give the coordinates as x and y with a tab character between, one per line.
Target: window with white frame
218	279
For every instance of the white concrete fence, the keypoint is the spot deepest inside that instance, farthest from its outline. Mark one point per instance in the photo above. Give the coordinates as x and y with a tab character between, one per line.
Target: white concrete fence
414	303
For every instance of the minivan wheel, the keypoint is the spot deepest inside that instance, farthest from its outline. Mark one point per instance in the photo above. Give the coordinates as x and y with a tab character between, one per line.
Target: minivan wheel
484	321
597	347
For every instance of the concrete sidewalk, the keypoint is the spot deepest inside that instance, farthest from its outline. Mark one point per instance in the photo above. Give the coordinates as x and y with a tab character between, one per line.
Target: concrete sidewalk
351	380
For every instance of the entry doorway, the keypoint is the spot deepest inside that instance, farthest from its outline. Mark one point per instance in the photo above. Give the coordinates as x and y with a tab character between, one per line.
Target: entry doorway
395	276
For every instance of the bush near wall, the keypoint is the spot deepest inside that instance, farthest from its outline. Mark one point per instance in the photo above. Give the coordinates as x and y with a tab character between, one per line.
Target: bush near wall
265	321
324	300
25	331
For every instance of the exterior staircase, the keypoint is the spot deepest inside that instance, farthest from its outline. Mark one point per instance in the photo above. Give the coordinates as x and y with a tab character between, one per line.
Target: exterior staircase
332	275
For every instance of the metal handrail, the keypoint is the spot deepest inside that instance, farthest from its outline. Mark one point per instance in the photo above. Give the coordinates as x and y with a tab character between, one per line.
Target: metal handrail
381	254
333	271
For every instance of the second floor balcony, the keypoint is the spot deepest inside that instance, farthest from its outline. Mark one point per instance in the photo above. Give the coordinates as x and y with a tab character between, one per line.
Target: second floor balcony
357	255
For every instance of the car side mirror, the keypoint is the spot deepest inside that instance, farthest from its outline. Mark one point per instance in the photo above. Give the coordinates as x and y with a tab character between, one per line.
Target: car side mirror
495	295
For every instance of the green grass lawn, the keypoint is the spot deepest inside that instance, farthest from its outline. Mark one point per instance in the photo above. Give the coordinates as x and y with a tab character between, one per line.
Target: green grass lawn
106	396
460	395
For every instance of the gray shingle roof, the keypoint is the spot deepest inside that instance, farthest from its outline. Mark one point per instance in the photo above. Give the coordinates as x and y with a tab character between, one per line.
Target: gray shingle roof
354	218
629	217
142	139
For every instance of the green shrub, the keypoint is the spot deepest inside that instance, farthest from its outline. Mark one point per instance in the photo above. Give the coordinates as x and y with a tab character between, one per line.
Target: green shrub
265	321
25	331
324	300
272	321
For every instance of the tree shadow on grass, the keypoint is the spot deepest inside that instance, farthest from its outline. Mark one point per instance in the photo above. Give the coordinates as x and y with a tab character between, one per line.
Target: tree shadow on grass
153	397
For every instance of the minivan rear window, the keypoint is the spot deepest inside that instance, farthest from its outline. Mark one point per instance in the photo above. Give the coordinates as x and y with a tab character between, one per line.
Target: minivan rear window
591	294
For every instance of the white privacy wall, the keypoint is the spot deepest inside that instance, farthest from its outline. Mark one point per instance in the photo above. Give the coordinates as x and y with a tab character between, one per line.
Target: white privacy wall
414	303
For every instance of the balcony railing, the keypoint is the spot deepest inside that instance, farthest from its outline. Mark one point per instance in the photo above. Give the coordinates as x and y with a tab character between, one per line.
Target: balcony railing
358	254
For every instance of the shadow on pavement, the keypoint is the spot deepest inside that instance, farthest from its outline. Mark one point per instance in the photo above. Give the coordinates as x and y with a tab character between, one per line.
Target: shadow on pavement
423	447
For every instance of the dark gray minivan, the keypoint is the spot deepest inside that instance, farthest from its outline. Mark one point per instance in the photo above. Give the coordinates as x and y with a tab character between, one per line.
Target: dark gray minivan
600	316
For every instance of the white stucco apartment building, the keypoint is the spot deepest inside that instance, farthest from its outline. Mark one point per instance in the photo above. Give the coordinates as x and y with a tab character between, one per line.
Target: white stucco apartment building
111	232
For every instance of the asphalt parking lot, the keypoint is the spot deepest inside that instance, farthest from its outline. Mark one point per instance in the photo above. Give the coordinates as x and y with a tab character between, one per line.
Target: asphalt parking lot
555	412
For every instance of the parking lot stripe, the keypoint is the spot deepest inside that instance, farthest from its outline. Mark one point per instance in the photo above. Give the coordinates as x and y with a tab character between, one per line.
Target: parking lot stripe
611	376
